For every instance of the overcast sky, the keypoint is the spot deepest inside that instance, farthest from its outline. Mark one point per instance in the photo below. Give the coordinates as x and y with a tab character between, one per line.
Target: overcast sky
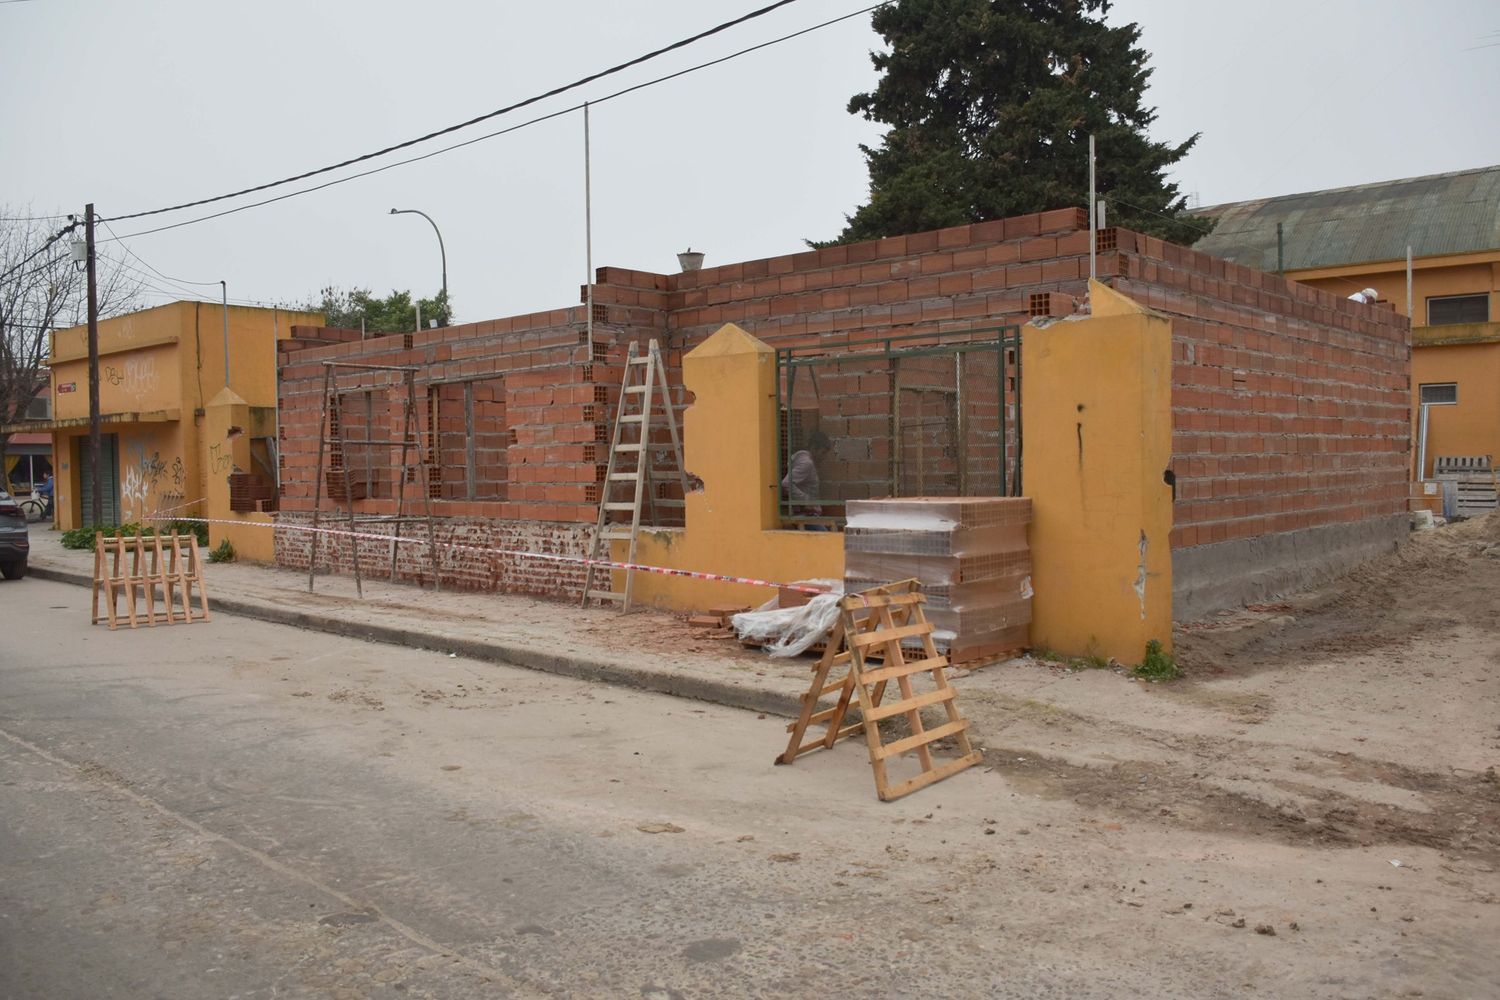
140	104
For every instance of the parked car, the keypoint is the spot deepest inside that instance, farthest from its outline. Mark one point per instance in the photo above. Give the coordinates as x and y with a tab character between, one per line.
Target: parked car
15	542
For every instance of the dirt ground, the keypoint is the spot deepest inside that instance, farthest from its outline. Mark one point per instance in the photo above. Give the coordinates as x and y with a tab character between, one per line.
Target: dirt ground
1363	713
1355	725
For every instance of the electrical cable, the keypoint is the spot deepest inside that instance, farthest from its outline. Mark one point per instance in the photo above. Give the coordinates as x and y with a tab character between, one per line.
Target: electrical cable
41	249
472	121
124	246
175	291
146	278
491	135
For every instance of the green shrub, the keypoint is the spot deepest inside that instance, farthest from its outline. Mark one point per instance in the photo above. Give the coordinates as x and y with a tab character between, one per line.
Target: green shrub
224	552
195	528
78	538
83	538
1157	666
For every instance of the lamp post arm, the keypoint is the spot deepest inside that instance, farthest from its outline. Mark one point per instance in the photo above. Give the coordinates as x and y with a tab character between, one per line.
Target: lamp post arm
442	251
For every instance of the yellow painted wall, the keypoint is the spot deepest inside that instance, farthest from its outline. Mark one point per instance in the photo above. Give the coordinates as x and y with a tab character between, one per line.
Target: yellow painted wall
1454	274
1472	426
253	333
1098	437
155	471
251	534
158	368
732	524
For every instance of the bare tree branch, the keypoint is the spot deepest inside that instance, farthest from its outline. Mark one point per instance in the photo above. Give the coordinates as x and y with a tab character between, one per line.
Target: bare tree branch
47	293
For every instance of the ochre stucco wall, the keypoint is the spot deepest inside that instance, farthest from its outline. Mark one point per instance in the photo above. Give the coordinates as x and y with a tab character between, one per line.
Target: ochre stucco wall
1472	426
160	367
250	533
1098	438
729	437
1456	274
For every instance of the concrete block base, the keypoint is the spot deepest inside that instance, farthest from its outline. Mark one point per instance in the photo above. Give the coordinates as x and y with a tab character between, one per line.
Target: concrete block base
1207	578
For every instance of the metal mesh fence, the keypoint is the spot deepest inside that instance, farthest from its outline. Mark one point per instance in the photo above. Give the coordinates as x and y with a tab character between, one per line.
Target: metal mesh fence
934	415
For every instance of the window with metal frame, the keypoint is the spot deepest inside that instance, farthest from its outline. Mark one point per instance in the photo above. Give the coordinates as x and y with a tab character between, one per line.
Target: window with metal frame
1447	310
1438	393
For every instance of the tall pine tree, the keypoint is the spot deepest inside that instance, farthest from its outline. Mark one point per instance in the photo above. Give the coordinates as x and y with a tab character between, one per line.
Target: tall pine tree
990	105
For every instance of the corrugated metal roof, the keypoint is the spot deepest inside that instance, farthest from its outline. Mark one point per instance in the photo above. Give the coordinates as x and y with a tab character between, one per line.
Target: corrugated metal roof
1440	214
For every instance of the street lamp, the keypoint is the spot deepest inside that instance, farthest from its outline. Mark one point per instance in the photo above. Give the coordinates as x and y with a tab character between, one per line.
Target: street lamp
441	250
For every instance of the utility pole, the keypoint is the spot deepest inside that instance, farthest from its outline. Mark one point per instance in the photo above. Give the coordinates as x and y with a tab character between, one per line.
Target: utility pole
96	501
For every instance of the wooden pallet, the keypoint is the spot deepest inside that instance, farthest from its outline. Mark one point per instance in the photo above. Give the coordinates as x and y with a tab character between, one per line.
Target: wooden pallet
1475	479
866	643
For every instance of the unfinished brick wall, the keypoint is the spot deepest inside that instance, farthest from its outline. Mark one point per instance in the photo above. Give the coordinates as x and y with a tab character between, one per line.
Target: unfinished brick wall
1289	403
526	387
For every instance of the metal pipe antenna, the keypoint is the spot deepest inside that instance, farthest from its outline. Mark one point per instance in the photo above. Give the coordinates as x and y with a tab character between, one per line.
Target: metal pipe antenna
1093	217
588	236
1411	316
224	290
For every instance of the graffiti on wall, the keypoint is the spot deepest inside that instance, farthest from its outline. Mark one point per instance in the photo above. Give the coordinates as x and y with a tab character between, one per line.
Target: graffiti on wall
136	377
144	481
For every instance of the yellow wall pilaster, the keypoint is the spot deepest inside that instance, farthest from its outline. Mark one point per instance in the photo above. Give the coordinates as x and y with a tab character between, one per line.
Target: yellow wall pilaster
1098	438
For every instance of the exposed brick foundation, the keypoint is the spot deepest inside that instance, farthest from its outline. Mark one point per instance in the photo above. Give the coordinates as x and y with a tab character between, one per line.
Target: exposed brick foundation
466	553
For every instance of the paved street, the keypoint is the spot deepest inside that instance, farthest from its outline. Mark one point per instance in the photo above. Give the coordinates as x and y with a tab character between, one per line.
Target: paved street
239	809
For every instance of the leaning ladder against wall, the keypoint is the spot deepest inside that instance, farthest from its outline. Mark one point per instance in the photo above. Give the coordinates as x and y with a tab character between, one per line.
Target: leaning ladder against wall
642	389
410	442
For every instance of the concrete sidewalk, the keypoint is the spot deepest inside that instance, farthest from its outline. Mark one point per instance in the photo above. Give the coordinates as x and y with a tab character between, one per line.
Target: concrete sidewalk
646	649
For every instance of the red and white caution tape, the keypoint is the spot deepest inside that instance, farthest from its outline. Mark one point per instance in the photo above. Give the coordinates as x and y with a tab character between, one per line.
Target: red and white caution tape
156	515
518	553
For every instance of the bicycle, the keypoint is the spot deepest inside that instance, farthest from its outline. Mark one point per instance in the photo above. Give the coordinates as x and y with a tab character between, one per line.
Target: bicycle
35	510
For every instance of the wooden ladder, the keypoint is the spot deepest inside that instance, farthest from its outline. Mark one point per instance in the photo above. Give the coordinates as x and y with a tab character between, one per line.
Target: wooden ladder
643	387
866	641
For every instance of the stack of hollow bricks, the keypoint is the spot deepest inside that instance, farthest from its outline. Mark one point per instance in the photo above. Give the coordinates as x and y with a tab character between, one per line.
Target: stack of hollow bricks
1289	403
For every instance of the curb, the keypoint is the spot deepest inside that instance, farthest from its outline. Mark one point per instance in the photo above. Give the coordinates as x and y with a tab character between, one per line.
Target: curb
714	690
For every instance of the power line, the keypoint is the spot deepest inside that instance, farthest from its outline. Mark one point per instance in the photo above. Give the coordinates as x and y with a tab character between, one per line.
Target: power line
179	293
124	246
145	277
41	249
472	121
513	128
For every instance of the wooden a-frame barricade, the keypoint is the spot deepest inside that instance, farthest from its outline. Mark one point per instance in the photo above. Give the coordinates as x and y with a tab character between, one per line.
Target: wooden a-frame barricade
137	569
867	642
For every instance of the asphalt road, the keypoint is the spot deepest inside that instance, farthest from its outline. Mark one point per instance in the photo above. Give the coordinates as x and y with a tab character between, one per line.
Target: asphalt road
237	809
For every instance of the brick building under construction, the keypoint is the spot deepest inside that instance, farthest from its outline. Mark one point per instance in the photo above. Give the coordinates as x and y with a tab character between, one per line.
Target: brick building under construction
1290	430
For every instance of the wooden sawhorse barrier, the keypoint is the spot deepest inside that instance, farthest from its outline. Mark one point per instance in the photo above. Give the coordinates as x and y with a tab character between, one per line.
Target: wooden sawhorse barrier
867	641
139	568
